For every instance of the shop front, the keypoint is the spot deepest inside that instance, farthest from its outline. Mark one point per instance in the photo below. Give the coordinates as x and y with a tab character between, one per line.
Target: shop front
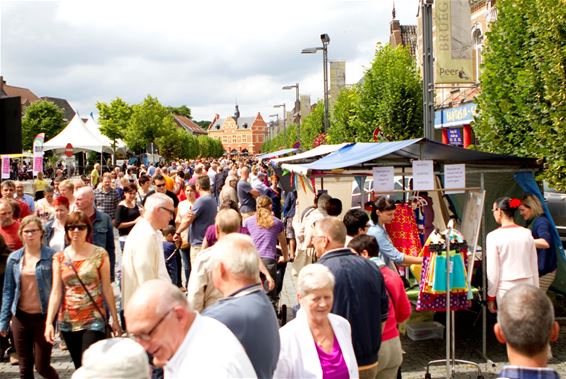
455	124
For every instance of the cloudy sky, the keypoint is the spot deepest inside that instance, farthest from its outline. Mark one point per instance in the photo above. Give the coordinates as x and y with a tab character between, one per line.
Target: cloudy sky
207	55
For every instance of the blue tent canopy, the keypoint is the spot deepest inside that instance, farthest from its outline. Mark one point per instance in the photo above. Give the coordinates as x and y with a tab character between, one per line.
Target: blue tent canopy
276	154
355	155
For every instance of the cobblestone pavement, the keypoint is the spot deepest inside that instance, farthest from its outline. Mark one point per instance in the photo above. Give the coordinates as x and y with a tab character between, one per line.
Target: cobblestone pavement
417	353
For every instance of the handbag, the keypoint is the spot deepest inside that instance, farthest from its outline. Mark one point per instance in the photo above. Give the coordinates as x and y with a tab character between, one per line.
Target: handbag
107	327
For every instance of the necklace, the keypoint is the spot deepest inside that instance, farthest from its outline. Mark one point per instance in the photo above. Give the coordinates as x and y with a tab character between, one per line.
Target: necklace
320	342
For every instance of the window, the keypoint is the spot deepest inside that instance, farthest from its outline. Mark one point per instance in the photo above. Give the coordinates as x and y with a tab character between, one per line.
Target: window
477	38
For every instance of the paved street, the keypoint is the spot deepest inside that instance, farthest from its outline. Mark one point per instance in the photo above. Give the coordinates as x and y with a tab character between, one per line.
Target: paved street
417	354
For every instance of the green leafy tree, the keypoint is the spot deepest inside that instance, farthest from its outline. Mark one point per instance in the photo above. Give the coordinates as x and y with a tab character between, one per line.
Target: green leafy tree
390	97
181	110
114	119
149	121
284	140
41	117
312	126
346	124
203	124
522	105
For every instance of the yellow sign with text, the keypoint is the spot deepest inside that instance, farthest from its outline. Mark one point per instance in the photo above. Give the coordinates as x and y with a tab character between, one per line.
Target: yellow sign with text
452	42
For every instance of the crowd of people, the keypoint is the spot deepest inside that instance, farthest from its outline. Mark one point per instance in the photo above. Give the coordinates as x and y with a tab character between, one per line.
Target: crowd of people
188	260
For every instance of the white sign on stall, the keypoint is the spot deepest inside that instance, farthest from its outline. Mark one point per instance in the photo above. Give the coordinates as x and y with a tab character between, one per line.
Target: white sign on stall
383	179
423	175
454	177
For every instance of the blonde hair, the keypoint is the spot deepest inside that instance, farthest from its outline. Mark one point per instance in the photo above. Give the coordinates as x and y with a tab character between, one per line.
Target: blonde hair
264	218
533	203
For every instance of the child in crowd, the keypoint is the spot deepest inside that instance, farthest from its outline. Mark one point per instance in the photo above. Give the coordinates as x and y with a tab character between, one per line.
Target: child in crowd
170	251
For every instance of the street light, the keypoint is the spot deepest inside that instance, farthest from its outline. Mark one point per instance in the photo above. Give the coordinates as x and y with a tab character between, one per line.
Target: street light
297	106
312	50
284	115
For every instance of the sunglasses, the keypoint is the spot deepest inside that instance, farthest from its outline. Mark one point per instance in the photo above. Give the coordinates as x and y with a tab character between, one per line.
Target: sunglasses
160	185
72	227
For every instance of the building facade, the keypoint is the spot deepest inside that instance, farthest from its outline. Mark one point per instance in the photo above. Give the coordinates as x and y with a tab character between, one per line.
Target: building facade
455	103
239	135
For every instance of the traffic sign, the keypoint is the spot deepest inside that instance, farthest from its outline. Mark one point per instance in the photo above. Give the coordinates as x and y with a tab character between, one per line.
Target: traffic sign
69	150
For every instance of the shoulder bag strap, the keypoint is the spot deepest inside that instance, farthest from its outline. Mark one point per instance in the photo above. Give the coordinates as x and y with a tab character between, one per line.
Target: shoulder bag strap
84	287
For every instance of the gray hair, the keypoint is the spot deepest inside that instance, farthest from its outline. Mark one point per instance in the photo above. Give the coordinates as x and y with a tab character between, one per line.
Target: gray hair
156	200
238	254
322	200
526	317
314	277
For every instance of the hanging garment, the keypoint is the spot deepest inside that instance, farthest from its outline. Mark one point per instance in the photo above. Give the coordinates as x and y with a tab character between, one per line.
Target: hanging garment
433	298
403	230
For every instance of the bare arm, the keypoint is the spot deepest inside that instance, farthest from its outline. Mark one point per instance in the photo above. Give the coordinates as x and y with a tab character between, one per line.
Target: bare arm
108	294
541	243
283	244
54	303
265	272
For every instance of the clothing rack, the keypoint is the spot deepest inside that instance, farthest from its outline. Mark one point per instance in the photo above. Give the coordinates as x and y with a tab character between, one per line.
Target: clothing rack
450	360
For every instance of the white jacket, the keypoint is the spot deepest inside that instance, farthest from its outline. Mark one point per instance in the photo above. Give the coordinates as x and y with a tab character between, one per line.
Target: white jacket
298	357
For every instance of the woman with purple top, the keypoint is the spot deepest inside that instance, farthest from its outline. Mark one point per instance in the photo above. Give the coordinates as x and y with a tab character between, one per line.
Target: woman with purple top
266	230
316	344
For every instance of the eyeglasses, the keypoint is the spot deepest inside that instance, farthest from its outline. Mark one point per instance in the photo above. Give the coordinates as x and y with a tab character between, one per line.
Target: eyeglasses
171	212
72	227
160	185
147	336
30	231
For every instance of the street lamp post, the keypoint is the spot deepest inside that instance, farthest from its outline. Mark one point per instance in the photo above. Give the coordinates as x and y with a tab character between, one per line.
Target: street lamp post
297	106
284	115
324	48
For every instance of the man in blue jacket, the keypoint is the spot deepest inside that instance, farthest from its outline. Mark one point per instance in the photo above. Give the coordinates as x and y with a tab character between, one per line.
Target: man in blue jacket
359	293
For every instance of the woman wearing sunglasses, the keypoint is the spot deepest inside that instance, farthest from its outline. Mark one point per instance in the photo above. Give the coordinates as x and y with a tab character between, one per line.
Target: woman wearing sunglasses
81	281
27	283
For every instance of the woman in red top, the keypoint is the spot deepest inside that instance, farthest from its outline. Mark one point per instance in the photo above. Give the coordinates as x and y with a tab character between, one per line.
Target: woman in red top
390	353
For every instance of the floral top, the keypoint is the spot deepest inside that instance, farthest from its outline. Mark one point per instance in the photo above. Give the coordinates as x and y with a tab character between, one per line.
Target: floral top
77	310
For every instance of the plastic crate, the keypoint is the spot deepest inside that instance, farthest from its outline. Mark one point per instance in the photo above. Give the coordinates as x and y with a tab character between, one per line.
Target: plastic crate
425	331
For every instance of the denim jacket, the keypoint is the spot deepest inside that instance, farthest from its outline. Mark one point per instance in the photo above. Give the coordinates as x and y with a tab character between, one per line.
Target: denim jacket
11	291
103	236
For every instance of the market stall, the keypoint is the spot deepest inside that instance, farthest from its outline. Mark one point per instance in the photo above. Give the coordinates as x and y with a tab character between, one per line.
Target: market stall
433	167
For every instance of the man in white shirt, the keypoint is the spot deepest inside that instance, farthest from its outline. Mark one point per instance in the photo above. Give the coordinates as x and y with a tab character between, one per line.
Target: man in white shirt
187	344
143	258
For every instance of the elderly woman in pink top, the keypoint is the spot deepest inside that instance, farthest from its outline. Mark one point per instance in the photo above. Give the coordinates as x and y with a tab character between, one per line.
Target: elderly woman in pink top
511	253
390	355
317	343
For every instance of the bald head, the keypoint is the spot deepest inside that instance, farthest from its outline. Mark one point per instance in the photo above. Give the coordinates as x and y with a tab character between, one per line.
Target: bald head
156	295
84	200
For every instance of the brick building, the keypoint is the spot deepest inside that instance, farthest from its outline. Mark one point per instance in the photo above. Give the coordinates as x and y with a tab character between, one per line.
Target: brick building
239	135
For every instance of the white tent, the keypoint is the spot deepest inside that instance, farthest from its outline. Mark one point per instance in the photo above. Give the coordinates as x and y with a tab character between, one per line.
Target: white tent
94	128
79	136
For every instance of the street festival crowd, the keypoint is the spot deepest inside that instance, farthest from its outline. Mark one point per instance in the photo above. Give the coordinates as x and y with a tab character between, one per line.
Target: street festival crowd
175	271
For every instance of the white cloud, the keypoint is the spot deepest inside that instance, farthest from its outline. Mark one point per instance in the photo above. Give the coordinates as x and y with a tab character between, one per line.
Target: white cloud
206	55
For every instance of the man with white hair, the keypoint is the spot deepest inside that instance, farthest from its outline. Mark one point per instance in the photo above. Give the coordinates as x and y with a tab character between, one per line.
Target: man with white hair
184	343
102	230
525	323
246	310
143	258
